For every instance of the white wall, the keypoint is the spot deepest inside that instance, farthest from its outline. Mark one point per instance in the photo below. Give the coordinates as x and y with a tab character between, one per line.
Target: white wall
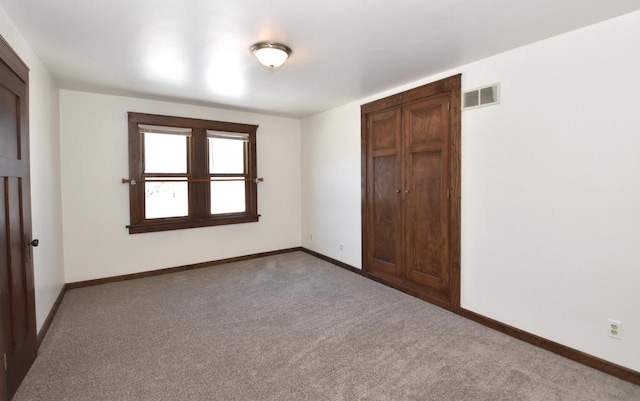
550	188
94	155
331	184
45	173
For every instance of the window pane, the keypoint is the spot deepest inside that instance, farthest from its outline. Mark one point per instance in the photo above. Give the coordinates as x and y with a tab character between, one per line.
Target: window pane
227	197
166	199
226	156
165	153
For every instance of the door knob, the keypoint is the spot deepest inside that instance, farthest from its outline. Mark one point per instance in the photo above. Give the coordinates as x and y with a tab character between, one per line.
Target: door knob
406	191
35	242
398	191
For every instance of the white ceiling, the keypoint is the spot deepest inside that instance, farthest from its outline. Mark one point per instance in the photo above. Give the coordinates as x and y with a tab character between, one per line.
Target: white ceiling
197	51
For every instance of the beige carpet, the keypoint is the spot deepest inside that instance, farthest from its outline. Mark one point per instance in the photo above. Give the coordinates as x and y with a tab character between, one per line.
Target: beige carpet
288	327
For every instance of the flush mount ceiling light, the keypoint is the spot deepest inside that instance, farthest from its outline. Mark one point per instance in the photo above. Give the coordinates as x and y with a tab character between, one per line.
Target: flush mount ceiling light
271	54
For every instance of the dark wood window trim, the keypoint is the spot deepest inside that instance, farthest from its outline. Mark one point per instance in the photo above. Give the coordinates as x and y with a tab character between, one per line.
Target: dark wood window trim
199	194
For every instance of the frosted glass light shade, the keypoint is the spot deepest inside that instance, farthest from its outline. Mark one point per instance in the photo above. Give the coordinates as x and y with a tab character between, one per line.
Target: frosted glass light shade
270	54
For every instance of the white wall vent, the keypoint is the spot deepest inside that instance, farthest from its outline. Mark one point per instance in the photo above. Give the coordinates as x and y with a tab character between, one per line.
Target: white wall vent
480	97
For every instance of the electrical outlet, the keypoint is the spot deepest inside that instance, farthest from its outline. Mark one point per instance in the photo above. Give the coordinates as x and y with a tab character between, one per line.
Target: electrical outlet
614	329
341	247
310	237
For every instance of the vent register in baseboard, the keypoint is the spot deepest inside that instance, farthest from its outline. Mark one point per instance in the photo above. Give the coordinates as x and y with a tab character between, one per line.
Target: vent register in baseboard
480	97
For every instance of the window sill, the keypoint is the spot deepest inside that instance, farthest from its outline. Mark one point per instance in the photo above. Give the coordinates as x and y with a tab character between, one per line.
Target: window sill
173	224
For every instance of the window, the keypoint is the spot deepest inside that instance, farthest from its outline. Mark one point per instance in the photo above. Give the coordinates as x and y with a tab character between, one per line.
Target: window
190	173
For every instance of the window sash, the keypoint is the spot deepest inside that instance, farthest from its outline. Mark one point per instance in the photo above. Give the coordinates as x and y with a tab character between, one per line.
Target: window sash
211	164
154	214
187	149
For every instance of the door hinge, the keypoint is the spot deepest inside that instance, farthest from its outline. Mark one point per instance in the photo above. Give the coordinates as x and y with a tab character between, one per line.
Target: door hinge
449	106
448	194
5	362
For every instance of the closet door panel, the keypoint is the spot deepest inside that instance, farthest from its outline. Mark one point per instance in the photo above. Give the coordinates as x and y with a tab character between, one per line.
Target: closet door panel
385	209
384	234
426	131
384	130
425	122
427	224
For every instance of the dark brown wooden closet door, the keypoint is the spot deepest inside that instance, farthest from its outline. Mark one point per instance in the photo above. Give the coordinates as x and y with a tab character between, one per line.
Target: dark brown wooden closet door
17	301
384	234
426	211
411	191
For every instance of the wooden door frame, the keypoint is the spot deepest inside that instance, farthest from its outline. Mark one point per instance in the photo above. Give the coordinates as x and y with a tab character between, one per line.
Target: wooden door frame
452	86
9	57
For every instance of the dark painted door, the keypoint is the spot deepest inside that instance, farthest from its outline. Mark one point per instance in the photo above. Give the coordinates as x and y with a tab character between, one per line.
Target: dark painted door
17	302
